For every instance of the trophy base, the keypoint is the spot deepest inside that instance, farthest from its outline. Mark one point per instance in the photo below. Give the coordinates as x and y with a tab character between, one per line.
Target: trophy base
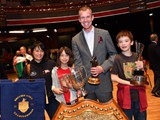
94	81
139	80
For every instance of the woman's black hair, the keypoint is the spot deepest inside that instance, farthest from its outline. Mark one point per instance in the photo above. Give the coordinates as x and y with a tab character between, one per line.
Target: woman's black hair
40	45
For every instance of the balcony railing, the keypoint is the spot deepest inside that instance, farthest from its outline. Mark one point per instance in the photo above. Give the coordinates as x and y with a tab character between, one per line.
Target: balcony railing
46	6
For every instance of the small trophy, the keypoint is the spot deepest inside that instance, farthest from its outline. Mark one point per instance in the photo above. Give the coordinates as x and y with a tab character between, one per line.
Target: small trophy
78	78
139	79
92	79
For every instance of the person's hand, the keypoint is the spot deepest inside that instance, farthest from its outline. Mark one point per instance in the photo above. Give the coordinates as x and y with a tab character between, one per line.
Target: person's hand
69	84
129	83
73	66
46	71
57	91
16	79
139	64
55	68
63	82
95	71
79	93
25	60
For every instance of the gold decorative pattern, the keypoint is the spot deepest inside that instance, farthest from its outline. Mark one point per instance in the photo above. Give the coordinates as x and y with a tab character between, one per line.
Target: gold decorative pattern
90	110
89	115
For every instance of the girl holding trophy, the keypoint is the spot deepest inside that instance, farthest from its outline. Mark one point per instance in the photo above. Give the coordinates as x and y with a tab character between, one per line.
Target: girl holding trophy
61	85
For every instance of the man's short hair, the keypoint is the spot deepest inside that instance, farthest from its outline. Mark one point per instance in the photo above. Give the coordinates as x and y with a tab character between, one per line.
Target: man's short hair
153	37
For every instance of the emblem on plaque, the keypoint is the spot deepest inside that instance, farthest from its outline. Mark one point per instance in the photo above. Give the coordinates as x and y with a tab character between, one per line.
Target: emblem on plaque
23	106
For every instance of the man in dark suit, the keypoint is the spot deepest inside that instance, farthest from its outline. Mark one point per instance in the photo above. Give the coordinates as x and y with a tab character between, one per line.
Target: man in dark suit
154	62
93	42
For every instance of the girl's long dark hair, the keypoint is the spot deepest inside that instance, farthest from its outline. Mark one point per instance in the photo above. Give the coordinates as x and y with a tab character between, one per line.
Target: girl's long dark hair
68	52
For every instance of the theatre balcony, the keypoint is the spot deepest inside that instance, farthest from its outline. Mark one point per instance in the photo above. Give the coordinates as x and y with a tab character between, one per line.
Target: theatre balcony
45	12
57	20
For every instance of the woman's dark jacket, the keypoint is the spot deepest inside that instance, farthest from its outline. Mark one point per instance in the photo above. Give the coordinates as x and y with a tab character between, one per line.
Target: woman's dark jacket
41	70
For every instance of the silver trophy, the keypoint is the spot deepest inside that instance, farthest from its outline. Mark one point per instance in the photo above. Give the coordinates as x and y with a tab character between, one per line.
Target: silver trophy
139	79
78	78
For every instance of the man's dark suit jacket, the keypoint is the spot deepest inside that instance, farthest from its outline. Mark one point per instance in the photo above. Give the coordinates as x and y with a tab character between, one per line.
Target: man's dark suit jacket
154	56
154	63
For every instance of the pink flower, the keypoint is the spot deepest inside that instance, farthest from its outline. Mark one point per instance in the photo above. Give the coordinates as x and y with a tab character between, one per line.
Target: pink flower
100	40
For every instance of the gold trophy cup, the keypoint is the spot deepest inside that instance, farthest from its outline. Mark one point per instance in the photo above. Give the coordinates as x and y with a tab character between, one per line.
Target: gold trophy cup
94	80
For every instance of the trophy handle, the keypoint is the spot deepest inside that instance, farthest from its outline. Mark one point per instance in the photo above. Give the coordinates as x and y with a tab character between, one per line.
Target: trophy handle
85	72
139	49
